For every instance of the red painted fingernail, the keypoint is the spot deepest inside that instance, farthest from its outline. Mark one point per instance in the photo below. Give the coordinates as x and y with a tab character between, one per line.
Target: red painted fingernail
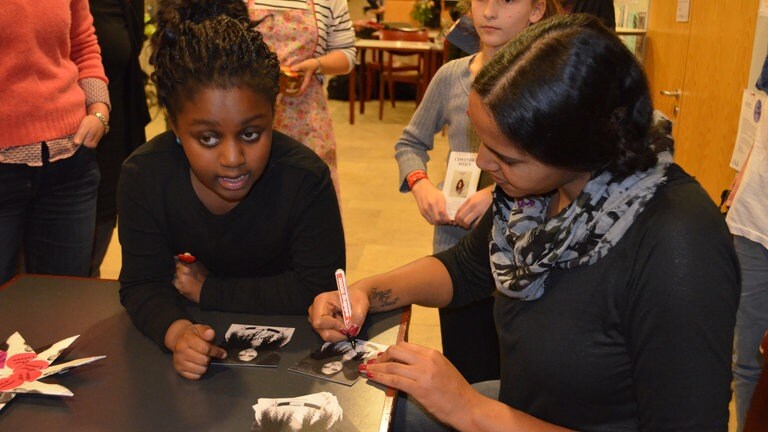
362	367
187	257
369	374
354	329
344	332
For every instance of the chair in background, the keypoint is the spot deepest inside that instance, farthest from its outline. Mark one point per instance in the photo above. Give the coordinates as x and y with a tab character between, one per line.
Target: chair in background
757	414
391	68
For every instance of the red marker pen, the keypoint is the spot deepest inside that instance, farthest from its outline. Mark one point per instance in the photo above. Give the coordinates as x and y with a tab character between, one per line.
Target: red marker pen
346	307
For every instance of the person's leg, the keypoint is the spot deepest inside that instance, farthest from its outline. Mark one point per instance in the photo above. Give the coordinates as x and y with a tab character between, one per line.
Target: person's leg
59	237
411	416
101	240
16	190
751	323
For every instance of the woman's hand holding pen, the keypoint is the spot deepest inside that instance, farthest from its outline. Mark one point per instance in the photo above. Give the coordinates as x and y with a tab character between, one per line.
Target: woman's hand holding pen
192	346
427	376
326	318
189	279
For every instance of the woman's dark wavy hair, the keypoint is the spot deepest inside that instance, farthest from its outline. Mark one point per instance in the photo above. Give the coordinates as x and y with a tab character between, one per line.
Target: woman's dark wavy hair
570	94
209	44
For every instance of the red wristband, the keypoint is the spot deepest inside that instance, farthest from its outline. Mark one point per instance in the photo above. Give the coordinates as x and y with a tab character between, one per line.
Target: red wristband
415	176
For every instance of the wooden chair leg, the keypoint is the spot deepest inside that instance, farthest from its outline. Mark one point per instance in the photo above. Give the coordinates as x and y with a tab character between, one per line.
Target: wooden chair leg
392	91
381	94
351	96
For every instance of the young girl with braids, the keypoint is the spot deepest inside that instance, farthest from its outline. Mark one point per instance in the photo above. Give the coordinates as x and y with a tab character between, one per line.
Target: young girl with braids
615	278
255	209
445	105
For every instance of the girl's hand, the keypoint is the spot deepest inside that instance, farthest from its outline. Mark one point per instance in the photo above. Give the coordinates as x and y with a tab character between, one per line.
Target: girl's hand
189	279
326	318
308	68
89	132
474	208
431	202
192	346
427	376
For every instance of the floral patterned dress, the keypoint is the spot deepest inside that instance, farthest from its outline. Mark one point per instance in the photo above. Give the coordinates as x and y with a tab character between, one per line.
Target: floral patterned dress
293	35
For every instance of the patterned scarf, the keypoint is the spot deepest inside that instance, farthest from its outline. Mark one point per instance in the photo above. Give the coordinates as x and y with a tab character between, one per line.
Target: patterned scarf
525	245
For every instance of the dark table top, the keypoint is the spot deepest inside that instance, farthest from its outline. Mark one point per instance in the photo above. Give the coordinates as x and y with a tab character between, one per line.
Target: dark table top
136	388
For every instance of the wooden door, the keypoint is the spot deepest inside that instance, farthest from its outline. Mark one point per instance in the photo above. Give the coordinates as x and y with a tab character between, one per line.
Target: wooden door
666	51
719	56
716	58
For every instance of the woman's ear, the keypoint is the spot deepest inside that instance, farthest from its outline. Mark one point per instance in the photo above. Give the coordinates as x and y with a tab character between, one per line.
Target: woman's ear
538	11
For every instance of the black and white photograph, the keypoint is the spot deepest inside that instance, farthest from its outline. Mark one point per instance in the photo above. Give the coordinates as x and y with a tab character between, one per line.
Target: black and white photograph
252	345
338	361
314	412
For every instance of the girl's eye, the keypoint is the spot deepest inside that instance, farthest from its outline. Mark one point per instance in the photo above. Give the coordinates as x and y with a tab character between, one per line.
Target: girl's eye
209	140
251	136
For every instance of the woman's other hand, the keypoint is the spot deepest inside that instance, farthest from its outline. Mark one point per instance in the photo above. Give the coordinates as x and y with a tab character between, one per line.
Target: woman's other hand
89	132
326	318
91	127
308	67
474	208
431	202
189	279
427	376
192	346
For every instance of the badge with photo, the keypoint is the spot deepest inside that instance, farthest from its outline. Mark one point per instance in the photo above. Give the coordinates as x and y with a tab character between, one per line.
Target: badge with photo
338	361
252	345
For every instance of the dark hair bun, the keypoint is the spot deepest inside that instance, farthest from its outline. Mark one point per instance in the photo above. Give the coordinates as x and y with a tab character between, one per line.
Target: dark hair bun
568	92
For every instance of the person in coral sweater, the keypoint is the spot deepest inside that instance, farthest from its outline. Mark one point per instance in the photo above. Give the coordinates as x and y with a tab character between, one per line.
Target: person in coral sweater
54	109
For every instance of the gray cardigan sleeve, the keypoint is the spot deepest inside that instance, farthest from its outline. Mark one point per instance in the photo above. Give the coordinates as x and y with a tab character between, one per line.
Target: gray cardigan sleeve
411	150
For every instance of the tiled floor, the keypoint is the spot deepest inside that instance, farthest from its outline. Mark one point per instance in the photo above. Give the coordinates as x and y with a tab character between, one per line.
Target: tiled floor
383	227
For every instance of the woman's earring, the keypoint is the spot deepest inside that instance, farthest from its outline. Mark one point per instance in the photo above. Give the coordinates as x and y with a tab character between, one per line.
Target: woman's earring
178	140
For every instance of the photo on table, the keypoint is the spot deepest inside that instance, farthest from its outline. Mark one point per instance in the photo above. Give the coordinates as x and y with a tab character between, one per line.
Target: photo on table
253	345
338	361
319	412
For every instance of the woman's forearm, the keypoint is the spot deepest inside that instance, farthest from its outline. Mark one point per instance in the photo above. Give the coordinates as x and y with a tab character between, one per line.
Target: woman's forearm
485	414
424	282
334	63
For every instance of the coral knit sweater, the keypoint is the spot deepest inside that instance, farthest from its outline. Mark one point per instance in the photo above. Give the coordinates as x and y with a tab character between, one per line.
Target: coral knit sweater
47	46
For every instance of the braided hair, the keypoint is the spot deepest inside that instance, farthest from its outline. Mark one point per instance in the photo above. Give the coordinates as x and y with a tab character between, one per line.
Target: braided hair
203	44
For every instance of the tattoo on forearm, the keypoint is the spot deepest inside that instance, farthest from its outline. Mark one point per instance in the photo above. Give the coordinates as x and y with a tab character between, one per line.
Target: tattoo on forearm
383	298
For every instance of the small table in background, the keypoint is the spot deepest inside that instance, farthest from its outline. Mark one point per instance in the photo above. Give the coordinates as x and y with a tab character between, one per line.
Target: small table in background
433	61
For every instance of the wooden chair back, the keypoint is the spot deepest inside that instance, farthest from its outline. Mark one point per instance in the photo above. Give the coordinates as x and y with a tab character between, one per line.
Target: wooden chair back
417	35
